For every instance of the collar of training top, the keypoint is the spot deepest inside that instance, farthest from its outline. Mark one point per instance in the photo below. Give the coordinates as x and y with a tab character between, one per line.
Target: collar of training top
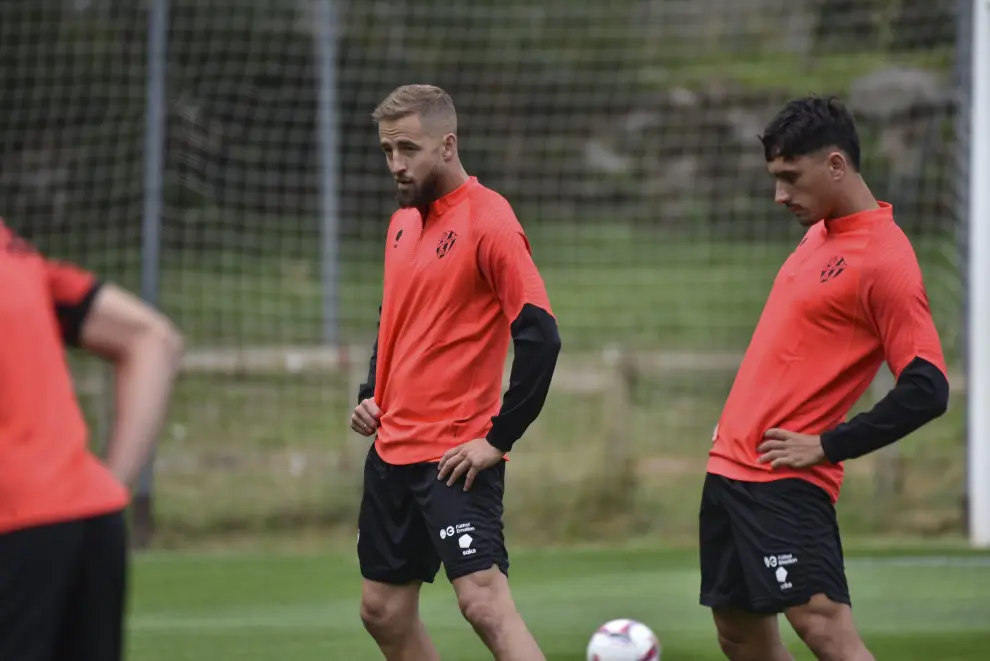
454	197
861	220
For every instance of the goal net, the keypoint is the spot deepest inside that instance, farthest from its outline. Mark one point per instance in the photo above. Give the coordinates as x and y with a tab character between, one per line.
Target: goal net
625	135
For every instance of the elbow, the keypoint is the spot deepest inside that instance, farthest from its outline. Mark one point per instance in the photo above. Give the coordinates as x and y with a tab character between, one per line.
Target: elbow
171	343
161	339
553	342
940	400
938	393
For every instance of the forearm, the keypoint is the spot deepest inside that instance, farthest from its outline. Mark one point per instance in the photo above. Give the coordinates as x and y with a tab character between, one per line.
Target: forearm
536	344
920	396
145	374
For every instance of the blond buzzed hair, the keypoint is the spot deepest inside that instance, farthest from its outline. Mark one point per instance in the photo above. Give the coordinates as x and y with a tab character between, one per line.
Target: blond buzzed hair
428	101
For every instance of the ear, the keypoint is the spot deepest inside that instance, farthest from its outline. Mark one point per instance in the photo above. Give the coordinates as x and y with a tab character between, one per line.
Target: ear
837	165
449	146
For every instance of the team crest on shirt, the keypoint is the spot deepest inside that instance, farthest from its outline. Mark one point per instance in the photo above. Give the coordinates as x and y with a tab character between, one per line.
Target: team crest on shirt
447	240
833	268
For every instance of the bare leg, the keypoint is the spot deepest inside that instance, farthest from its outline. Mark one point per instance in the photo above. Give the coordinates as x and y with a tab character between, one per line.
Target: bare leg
486	603
391	615
827	628
749	637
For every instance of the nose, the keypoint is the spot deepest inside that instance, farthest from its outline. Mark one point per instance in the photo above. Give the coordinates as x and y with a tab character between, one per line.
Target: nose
781	195
397	165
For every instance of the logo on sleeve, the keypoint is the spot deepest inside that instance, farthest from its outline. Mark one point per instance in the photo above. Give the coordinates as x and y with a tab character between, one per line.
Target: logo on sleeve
446	243
833	268
395	242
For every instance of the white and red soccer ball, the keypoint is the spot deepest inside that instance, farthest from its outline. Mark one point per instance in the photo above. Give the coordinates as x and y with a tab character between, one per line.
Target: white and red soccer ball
624	640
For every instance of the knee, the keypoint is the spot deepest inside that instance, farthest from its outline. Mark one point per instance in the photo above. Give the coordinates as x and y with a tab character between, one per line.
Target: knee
384	616
747	637
818	633
376	616
482	614
737	649
828	631
733	649
823	636
483	600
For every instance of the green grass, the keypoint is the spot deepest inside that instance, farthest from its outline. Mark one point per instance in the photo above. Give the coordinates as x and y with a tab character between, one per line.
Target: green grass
304	607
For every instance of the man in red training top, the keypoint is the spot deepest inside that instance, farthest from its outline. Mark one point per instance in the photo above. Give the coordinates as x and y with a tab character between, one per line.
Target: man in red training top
459	283
63	551
847	299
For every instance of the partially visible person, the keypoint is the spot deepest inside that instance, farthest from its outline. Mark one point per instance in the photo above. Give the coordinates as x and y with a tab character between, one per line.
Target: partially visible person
63	550
849	297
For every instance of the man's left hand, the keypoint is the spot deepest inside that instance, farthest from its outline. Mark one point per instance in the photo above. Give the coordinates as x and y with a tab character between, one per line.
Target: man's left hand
786	449
468	459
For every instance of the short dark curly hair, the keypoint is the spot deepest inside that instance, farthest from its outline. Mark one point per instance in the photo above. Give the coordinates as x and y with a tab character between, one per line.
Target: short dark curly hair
810	124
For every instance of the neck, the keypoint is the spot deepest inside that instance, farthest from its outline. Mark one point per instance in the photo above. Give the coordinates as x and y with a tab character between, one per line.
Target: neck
452	178
856	199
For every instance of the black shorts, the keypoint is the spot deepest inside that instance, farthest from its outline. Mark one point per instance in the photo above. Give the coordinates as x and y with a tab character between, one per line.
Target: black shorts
62	591
768	546
410	522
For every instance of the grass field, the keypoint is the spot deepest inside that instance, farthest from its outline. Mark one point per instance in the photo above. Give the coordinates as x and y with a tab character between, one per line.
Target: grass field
913	607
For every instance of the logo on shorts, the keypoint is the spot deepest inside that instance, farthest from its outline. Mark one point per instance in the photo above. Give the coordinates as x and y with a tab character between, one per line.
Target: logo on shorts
778	563
464	541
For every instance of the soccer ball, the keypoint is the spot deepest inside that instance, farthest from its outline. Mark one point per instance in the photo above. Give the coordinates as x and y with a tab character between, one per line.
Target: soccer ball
624	640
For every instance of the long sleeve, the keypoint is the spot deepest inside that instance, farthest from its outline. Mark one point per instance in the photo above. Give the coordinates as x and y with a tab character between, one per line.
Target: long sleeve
920	395
507	265
367	389
536	344
897	306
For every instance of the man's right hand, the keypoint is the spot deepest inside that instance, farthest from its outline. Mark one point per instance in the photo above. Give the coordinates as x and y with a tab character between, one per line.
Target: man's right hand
364	420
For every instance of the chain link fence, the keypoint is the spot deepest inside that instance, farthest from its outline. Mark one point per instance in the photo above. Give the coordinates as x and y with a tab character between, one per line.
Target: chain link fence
624	133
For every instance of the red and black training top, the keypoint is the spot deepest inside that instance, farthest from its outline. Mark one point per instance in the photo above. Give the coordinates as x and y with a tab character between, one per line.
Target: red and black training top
849	298
459	284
